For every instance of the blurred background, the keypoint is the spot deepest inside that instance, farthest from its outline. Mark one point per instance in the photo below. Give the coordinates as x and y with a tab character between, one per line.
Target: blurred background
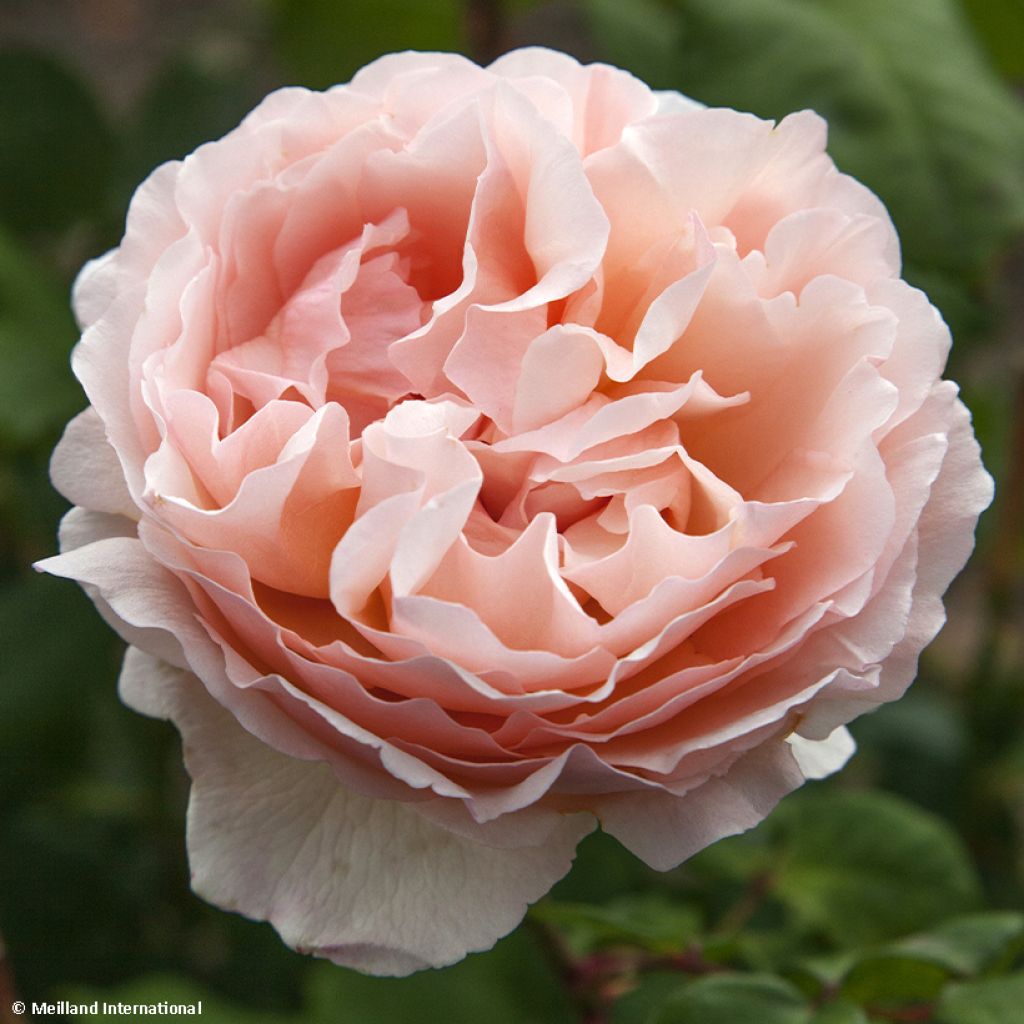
891	893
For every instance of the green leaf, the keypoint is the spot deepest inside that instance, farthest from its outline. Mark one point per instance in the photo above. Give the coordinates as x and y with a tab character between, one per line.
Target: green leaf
720	999
510	984
823	971
840	1012
37	390
864	867
639	1005
325	42
888	979
650	921
916	968
992	1001
915	111
769	945
57	150
1000	25
970	944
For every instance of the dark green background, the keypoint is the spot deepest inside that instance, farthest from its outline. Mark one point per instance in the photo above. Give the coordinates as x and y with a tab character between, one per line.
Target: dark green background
892	893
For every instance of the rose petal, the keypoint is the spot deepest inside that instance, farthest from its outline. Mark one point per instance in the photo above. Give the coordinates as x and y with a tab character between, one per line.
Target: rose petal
366	883
664	830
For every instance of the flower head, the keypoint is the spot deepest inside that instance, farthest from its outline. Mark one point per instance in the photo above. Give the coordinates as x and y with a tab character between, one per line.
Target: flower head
478	454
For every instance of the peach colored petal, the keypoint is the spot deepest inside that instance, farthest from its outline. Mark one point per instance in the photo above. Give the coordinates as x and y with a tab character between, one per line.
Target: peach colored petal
286	517
604	100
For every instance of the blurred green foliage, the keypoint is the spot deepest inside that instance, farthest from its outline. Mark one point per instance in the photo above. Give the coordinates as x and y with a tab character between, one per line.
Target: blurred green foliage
37	395
322	46
891	893
45	111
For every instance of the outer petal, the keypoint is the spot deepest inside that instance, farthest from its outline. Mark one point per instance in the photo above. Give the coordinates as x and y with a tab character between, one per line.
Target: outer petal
945	537
85	468
366	883
664	830
820	758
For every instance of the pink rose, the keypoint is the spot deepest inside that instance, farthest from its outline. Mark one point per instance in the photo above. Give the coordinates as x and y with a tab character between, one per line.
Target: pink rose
475	455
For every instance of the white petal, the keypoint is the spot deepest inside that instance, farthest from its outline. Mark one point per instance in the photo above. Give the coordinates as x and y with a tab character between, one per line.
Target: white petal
370	884
82	526
672	102
820	758
86	470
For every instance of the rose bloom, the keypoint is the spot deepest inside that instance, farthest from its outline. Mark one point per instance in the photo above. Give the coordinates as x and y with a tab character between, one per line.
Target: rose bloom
479	455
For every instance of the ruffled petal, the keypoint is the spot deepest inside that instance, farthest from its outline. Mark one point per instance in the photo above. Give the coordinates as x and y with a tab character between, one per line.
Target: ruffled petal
370	884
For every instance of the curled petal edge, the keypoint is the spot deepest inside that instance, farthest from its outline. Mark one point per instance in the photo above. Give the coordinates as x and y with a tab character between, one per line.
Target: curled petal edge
370	884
